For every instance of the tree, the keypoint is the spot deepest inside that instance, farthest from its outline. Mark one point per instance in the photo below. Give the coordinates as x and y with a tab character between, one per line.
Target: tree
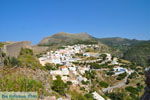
121	76
133	75
59	86
69	83
103	84
85	82
95	66
14	61
90	74
103	56
26	51
132	89
49	66
11	61
89	95
110	73
115	96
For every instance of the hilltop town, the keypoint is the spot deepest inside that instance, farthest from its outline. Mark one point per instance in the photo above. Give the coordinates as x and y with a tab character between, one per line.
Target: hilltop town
74	63
70	69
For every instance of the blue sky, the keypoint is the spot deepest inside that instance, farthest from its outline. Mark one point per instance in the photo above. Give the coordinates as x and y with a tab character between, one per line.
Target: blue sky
34	19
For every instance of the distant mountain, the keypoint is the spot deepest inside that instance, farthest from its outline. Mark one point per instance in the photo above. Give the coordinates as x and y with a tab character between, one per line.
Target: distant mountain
119	43
63	38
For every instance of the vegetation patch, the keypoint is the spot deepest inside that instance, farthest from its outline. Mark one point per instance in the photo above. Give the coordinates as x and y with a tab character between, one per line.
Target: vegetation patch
103	84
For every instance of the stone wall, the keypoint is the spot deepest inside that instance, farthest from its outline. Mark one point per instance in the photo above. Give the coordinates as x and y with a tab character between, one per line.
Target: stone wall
1	58
13	49
39	49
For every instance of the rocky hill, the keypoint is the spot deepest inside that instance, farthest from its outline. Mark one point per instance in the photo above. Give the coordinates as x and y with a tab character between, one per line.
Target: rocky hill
63	38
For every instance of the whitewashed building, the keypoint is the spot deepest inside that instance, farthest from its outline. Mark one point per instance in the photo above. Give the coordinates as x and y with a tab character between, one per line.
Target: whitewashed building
97	96
119	70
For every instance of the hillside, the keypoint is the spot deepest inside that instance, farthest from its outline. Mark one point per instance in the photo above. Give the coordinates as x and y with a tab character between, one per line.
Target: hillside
120	47
134	50
80	72
63	38
119	43
139	53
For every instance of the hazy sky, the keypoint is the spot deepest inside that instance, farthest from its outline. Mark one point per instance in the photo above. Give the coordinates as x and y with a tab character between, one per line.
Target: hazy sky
34	19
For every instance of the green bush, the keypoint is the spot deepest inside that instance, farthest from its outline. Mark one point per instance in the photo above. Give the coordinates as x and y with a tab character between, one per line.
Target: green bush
61	47
69	83
132	90
133	75
27	59
59	86
89	95
103	56
49	66
20	83
11	61
90	74
103	84
95	66
121	76
85	82
141	73
25	51
110	73
1	45
115	96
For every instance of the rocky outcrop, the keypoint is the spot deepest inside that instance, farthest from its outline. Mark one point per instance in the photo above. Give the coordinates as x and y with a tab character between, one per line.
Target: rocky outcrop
146	95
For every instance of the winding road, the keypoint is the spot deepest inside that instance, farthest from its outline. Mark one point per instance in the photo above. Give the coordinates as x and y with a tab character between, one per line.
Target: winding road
118	85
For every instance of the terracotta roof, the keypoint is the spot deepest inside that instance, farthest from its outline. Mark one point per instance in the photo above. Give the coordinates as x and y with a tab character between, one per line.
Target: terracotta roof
63	66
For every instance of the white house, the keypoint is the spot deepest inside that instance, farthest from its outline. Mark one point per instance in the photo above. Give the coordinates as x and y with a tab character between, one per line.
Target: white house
55	72
115	61
74	82
91	54
119	70
97	96
65	78
80	78
72	68
108	57
83	69
64	70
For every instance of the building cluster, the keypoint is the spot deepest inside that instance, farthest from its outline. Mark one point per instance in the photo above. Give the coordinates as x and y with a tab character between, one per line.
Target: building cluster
72	73
75	73
62	56
65	57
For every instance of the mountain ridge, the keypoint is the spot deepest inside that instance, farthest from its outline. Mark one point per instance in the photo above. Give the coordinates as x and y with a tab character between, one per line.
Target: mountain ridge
66	38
